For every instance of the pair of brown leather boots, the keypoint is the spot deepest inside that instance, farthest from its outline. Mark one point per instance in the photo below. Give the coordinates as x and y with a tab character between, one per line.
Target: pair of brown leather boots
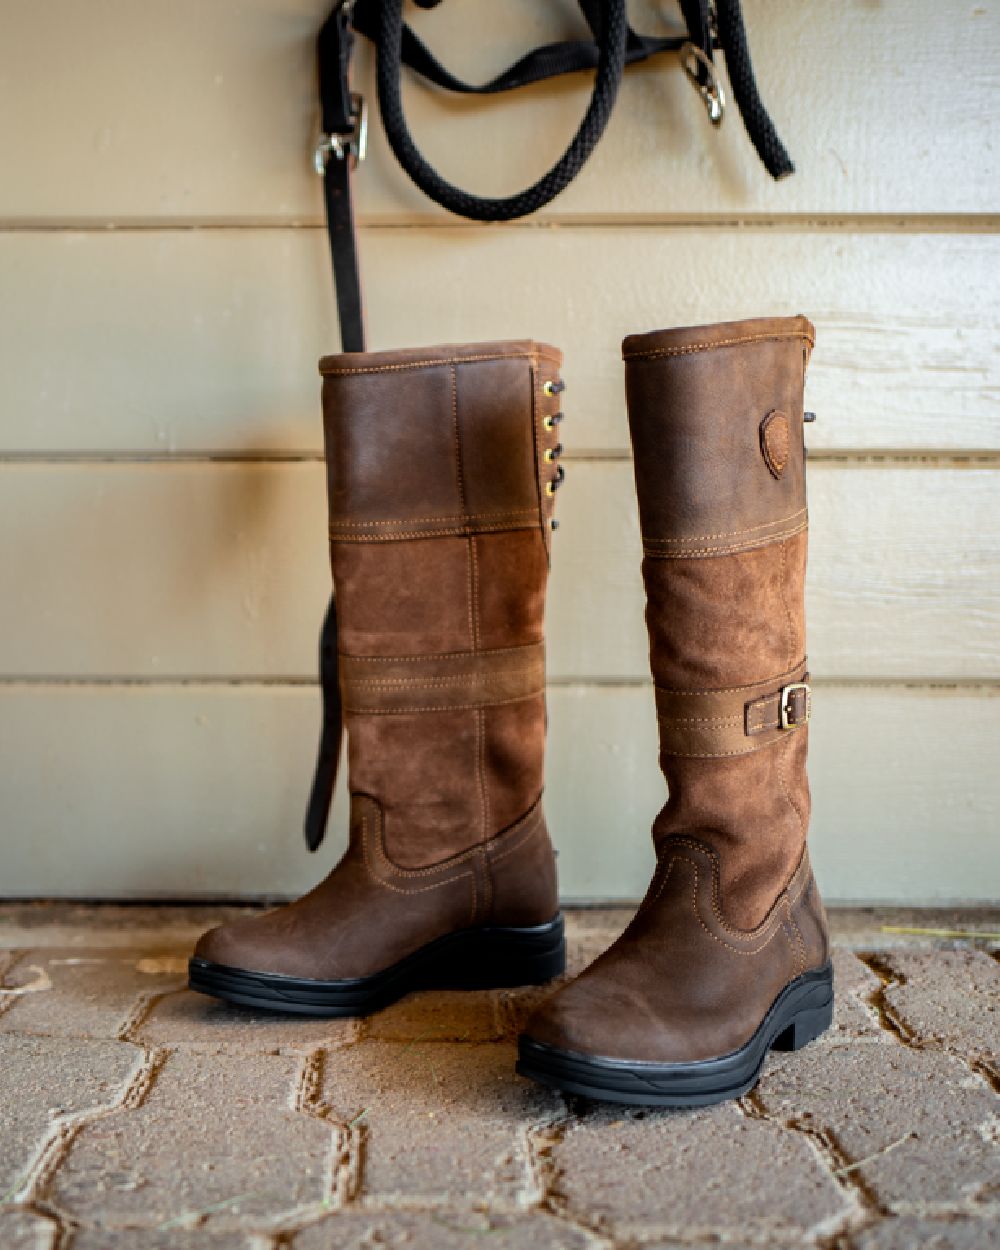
442	472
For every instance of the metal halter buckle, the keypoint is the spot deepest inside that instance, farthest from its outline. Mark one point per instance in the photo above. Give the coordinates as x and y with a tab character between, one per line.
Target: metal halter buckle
788	718
696	64
352	146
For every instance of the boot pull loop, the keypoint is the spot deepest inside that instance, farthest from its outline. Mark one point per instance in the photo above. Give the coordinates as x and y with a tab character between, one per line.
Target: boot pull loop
328	757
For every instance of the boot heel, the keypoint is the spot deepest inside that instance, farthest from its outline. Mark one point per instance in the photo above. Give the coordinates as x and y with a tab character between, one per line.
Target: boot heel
808	1024
502	958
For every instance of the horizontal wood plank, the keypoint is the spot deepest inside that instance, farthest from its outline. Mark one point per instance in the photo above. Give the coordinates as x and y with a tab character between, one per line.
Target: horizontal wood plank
206	341
205	570
194	111
187	791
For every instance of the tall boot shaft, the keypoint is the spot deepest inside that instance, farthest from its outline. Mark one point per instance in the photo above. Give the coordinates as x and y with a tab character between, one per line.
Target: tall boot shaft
727	956
716	416
442	472
441	466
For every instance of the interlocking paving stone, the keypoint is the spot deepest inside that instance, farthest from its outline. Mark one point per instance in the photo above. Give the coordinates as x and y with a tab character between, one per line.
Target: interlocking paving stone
24	1230
441	1230
853	984
185	1018
215	1135
169	1237
438	1016
437	1118
42	1078
70	992
949	998
945	1232
922	1119
700	1173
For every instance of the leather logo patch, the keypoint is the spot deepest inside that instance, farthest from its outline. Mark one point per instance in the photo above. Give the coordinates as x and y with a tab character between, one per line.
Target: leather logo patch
775	441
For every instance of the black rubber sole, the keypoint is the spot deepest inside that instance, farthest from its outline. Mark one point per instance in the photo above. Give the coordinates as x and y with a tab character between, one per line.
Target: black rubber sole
473	959
801	1012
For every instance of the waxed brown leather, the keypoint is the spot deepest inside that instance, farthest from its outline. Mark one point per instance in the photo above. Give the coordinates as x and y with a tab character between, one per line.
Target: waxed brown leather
733	914
439	539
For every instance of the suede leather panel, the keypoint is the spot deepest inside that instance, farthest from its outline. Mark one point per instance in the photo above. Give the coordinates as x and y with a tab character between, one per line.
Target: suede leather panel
511	574
403	598
522	873
423	768
513	755
752	809
680	985
726	621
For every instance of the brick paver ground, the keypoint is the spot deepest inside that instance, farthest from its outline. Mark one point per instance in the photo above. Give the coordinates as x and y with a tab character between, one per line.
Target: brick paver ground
135	1114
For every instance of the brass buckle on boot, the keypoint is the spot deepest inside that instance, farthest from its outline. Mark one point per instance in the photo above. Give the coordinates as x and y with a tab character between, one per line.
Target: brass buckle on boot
795	705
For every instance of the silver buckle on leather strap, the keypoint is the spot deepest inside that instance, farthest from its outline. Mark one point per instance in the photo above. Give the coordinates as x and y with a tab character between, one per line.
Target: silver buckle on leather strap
795	705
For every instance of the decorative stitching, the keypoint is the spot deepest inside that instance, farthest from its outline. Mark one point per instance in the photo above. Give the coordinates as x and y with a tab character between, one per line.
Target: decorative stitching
432	683
405	366
423	889
458	439
772	918
698	720
484	802
474	592
445	516
707	551
782	575
737	689
445	707
528	833
697	538
784	787
655	353
454	531
718	755
434	655
714	936
524	822
798	937
669	869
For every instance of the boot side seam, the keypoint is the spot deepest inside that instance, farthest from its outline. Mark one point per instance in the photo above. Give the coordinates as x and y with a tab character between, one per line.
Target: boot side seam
692	348
456	531
416	889
405	366
750	529
784	896
732	549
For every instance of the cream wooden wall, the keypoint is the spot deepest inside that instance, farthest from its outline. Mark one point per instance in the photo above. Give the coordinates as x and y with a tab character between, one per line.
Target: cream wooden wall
164	296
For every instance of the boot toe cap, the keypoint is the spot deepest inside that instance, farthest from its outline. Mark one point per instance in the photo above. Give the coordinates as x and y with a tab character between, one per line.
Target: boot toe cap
252	945
587	1017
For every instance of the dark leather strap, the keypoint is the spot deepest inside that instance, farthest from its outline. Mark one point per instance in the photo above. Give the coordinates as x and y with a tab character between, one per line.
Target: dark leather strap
337	156
325	777
709	724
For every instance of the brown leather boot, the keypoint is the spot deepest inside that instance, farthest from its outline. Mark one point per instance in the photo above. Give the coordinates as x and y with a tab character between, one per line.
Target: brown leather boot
441	474
727	956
